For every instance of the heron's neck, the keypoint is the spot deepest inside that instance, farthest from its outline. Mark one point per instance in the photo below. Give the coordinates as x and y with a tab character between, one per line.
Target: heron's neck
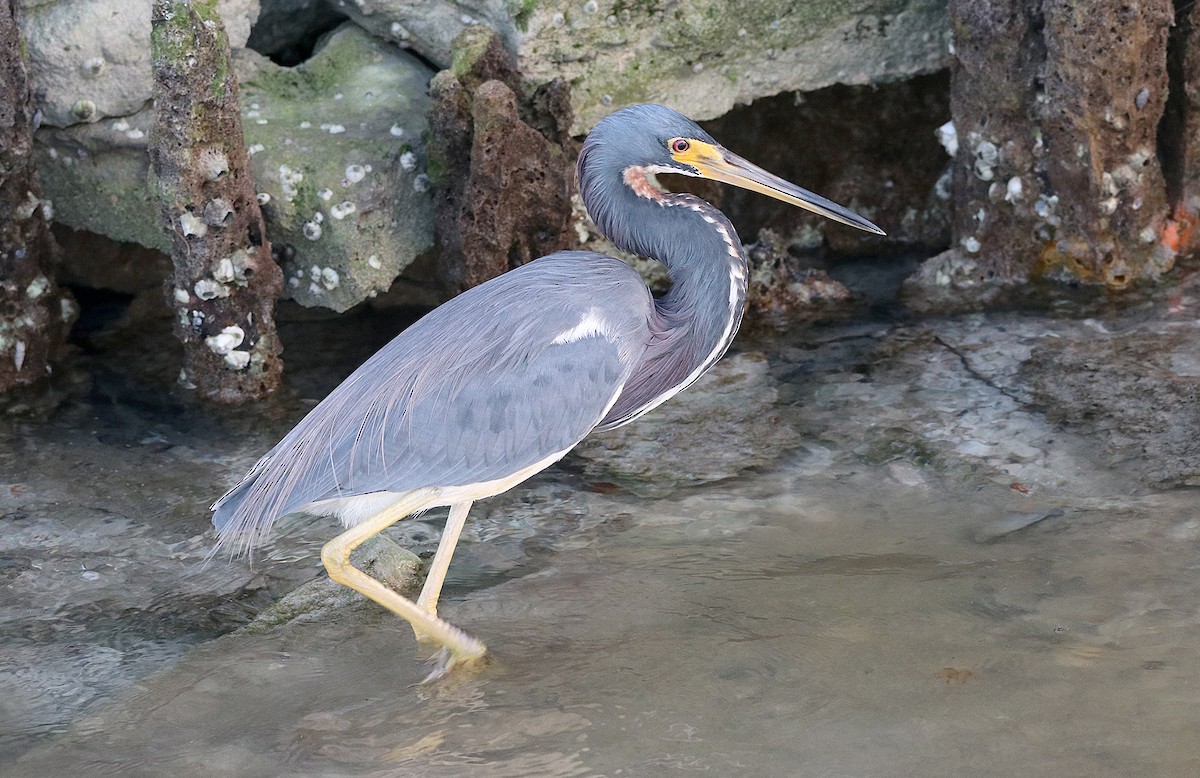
697	319
695	241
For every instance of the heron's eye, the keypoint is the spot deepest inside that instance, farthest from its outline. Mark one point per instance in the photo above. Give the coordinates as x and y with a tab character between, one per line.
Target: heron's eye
680	145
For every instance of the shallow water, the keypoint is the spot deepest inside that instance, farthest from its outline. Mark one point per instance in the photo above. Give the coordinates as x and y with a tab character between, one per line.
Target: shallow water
920	573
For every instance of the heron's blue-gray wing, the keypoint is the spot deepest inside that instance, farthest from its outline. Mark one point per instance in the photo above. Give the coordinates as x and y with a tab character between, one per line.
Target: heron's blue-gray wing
496	380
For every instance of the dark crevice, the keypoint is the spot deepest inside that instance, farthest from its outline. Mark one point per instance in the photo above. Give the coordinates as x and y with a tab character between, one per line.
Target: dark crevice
977	375
1172	129
1034	46
99	310
277	36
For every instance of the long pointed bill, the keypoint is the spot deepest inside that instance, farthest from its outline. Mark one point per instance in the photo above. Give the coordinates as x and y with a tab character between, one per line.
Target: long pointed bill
720	164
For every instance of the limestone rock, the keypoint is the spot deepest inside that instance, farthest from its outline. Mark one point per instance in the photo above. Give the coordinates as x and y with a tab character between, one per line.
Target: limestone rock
429	27
337	150
90	59
1180	130
1101	139
225	282
35	315
96	176
701	58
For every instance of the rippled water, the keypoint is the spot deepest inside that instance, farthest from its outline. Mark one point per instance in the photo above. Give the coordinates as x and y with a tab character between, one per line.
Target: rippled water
927	578
790	626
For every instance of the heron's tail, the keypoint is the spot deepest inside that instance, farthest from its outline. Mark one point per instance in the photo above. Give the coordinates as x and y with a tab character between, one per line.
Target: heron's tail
237	528
226	508
282	481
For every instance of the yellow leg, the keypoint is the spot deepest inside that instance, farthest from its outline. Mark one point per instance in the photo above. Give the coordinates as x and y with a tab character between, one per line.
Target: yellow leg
459	646
441	560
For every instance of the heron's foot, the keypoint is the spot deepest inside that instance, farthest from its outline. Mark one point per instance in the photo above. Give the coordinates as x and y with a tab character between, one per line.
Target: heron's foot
457	650
446	660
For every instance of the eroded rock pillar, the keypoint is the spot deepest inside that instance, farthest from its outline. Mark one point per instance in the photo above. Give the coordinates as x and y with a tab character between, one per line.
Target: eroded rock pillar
499	163
225	281
1056	110
34	314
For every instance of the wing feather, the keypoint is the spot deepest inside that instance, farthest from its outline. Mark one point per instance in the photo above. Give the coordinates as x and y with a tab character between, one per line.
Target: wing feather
475	391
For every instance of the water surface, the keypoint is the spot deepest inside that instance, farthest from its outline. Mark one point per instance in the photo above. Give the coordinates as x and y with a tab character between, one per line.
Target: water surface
914	571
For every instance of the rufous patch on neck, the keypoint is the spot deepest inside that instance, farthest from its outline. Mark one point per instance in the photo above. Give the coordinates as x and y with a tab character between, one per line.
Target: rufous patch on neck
636	179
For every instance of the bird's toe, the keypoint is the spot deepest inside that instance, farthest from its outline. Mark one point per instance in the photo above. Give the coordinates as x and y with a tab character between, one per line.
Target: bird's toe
445	661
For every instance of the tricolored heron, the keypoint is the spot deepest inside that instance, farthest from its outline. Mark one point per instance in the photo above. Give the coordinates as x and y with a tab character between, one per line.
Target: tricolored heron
503	380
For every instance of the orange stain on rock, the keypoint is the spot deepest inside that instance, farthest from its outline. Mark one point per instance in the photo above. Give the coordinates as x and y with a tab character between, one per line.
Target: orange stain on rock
1178	233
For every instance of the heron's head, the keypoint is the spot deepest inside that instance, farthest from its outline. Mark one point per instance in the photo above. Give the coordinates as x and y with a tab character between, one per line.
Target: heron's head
630	143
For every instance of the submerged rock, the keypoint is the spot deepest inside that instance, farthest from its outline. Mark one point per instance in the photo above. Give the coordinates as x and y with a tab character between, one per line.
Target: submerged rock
726	422
1001	529
917	443
1137	392
380	558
